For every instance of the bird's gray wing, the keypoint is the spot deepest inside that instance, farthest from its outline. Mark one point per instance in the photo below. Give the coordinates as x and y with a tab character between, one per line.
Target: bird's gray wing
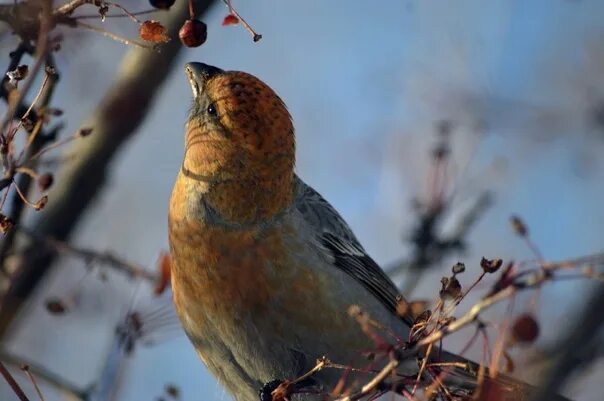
340	246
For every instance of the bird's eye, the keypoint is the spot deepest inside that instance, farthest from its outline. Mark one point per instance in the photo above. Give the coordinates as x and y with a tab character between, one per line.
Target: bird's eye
212	109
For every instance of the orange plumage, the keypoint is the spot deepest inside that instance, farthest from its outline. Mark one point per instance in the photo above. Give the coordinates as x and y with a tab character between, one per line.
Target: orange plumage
264	269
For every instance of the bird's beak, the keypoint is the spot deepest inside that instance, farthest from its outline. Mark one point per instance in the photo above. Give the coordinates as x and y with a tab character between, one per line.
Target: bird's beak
198	74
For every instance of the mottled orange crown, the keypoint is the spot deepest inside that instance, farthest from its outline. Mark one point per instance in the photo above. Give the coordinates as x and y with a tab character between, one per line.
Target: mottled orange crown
239	140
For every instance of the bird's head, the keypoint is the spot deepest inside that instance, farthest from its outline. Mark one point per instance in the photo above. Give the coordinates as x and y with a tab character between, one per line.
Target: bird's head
238	128
239	143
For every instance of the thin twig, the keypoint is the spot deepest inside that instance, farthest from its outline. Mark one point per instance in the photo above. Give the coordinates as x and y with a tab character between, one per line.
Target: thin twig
373	383
96	16
23	196
468	317
31	377
53	146
255	36
124	10
57	381
104	258
113	36
68	8
32	105
41	51
13	383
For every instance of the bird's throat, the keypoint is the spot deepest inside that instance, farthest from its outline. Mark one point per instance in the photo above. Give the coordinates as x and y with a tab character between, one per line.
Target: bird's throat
241	200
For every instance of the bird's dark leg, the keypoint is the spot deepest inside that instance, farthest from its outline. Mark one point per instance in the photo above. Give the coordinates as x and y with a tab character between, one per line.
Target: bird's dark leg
265	393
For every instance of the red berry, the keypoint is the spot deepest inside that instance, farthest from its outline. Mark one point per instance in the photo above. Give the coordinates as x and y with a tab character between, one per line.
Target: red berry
525	329
193	33
56	306
230	19
153	31
45	181
162	4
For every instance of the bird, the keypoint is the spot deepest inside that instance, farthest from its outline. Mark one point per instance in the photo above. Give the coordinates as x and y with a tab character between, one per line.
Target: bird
264	269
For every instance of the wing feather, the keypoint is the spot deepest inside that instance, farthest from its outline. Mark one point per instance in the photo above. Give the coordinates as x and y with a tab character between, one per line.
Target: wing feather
336	240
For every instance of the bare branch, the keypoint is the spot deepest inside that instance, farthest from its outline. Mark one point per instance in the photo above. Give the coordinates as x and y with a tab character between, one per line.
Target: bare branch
12	383
43	373
138	82
103	258
69	7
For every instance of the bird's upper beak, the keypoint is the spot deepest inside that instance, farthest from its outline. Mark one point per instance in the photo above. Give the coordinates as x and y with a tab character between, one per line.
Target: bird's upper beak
198	74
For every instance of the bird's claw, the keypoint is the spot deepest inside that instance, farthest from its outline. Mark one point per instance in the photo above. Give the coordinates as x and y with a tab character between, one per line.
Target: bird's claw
266	392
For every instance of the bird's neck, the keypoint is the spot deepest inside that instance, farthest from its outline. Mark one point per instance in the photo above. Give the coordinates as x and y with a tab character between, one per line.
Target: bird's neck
237	201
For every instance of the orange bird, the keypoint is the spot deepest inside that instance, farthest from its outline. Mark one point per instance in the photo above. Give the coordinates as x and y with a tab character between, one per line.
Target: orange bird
264	269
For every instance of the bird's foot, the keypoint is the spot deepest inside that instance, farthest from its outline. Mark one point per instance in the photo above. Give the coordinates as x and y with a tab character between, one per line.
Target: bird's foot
266	392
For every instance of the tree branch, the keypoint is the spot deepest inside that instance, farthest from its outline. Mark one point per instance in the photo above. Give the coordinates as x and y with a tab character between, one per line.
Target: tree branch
117	118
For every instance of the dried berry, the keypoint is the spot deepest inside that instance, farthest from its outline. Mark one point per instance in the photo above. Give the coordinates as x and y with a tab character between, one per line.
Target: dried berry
84	131
162	4
153	31
230	19
28	124
39	205
6	223
193	33
172	391
56	306
451	288
525	329
103	10
18	73
458	268
50	70
45	181
490	265
518	226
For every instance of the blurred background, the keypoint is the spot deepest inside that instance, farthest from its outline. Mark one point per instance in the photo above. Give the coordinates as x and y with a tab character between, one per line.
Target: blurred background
518	86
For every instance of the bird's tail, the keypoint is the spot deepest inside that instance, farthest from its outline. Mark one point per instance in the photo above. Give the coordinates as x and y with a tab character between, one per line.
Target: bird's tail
470	378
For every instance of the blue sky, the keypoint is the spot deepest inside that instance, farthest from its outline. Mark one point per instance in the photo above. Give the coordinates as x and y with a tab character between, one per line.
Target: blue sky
365	82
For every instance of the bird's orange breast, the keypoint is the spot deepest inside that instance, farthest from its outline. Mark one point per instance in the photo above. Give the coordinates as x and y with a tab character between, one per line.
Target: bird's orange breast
266	274
216	268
